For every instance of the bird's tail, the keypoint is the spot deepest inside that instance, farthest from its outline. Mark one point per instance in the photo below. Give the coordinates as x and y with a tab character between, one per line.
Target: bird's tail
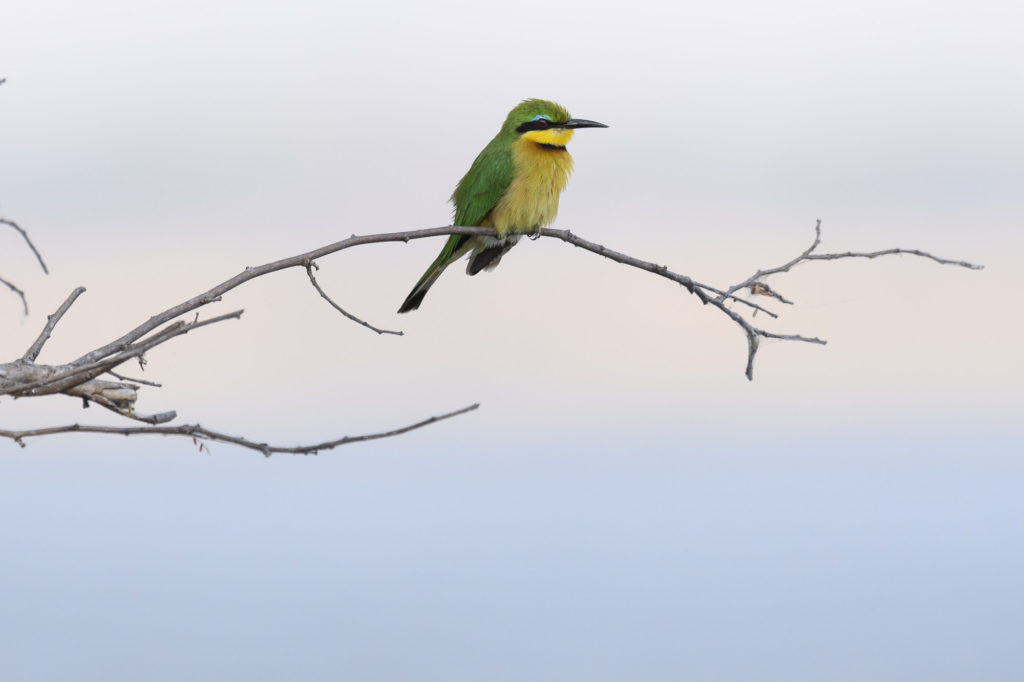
454	248
415	297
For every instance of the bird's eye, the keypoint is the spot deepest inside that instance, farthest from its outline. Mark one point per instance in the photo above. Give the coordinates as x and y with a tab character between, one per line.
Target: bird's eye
542	123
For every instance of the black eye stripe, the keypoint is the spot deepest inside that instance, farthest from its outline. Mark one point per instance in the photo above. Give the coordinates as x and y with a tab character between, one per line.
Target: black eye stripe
539	124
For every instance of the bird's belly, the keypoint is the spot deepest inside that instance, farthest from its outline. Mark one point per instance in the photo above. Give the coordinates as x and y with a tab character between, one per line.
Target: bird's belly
531	200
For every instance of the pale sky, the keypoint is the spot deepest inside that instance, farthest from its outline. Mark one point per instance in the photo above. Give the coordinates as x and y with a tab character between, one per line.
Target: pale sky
624	505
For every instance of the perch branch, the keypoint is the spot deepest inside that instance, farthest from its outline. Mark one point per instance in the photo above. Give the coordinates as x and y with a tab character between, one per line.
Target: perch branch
198	432
22	378
707	295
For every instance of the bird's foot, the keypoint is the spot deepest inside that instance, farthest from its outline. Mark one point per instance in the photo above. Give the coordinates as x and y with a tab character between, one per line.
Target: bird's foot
535	235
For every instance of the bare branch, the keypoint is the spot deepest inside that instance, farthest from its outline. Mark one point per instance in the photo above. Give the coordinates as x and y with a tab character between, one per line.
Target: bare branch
118	398
752	333
19	292
756	279
24	379
28	241
700	290
300	260
68	376
309	271
51	321
750	281
754	283
198	432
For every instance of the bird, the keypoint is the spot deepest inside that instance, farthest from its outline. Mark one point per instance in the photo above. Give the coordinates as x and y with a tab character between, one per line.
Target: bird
512	186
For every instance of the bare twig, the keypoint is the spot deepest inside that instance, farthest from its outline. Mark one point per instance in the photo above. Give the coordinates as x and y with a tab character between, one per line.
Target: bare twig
128	412
808	255
309	271
28	241
752	333
890	252
136	381
197	431
19	292
782	268
51	321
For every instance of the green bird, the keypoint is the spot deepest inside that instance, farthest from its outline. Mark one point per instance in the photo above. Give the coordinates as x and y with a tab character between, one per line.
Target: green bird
512	186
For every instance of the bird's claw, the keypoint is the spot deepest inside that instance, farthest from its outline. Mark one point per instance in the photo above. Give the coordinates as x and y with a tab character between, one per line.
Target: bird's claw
535	235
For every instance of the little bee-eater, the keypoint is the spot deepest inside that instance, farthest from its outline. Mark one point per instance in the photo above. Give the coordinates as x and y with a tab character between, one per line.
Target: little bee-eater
512	186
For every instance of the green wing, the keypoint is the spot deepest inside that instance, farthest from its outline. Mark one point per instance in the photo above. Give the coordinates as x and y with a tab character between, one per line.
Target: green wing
474	197
487	179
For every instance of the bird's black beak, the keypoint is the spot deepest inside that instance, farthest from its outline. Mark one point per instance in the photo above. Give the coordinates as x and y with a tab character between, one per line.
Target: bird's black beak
580	123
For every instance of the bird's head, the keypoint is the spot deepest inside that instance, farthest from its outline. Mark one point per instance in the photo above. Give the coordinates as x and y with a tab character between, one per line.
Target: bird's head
545	122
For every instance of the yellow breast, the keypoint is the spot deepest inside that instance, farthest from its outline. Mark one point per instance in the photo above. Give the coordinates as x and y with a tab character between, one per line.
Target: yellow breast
531	200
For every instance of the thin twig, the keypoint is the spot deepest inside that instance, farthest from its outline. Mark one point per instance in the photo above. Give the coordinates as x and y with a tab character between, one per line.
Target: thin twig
137	381
19	292
309	271
808	255
129	413
890	252
51	321
28	241
197	431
